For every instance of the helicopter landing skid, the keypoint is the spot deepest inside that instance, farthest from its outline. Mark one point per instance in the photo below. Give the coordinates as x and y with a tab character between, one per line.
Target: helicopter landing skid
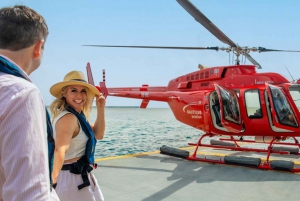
231	144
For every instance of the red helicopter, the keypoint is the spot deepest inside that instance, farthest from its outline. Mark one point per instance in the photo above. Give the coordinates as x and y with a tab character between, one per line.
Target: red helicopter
232	101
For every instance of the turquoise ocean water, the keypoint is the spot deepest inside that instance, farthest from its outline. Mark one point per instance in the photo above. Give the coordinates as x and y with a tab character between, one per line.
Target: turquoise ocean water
135	130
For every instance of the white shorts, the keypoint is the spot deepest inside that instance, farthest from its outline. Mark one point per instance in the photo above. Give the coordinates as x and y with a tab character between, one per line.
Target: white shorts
67	187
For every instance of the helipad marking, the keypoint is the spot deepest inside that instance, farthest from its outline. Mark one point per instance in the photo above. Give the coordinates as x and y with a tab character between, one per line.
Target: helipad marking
126	156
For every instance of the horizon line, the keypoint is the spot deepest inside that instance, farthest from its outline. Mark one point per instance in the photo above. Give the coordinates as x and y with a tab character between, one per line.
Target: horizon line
126	107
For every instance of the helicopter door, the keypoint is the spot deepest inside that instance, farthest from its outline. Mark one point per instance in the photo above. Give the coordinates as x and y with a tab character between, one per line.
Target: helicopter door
230	109
283	116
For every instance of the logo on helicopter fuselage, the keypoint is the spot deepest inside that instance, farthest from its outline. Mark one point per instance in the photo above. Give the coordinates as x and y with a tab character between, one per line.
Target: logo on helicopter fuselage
195	114
263	82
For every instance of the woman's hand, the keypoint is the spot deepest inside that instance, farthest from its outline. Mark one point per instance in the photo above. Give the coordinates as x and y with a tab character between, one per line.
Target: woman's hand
100	101
99	125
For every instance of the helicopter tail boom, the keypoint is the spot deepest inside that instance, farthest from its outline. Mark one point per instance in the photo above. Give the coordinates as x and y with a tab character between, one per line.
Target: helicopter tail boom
135	92
145	93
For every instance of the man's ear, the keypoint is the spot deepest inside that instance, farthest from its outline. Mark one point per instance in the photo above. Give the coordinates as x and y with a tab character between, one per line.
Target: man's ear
38	47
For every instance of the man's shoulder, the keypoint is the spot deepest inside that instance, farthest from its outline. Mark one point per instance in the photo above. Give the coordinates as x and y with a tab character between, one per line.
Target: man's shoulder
14	83
14	89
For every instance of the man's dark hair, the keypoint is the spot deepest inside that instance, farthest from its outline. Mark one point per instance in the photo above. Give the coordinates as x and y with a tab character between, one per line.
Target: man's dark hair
21	27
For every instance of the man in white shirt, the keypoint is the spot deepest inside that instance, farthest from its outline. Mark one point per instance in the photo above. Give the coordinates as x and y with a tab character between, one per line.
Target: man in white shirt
24	161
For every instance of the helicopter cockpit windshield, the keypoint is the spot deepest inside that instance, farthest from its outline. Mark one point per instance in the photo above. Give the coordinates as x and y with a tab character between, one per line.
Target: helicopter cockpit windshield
283	110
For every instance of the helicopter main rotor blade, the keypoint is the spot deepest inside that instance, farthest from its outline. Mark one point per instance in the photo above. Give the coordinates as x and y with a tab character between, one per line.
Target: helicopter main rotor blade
202	19
158	47
262	49
252	60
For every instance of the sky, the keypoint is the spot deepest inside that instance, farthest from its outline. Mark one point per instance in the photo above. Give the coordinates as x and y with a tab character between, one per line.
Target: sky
273	24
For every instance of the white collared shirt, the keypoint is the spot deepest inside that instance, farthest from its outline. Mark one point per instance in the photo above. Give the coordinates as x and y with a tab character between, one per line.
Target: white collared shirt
24	171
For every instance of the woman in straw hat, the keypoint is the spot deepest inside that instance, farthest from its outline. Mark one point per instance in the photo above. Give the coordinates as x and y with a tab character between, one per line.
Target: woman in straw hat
75	137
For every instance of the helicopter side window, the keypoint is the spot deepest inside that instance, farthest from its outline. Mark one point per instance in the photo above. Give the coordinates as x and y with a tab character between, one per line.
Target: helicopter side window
253	105
216	110
201	75
283	110
206	74
295	93
230	106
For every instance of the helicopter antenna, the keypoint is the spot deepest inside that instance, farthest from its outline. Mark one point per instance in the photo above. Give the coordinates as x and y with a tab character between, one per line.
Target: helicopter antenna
289	73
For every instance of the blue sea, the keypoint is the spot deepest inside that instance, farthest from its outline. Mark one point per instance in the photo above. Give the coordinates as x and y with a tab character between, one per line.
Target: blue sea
135	130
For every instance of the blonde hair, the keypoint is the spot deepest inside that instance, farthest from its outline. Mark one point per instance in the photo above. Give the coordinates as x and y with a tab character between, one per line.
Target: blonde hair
59	105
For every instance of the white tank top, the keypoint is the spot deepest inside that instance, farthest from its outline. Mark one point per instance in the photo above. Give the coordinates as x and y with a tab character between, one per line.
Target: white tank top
77	144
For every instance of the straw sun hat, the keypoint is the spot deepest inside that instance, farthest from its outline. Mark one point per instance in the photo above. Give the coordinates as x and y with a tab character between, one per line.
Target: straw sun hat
73	78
